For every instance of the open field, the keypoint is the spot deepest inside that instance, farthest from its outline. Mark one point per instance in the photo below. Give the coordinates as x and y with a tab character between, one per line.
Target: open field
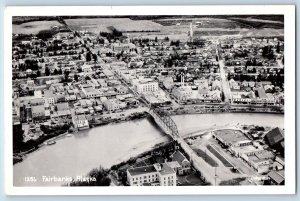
259	23
203	23
121	24
266	32
34	27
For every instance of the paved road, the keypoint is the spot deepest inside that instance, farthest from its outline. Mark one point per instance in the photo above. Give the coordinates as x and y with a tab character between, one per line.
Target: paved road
224	82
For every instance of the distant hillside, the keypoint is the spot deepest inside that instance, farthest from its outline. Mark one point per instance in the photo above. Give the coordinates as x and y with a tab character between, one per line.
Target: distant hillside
23	19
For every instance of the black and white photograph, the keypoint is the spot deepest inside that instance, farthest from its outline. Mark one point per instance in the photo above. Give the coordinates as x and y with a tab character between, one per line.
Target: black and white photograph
129	100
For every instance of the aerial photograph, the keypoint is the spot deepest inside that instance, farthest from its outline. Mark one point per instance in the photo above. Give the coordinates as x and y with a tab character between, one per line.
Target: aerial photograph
148	100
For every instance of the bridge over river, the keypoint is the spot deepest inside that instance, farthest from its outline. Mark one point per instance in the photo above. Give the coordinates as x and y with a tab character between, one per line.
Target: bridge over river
213	175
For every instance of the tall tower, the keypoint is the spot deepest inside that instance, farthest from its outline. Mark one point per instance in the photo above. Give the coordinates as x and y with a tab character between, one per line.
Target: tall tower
191	32
128	39
182	79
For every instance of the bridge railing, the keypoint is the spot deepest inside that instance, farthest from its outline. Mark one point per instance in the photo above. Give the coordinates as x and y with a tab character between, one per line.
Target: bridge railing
167	121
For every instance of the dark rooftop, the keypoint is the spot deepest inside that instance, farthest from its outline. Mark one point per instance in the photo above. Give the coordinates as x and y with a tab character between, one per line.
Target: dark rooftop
141	170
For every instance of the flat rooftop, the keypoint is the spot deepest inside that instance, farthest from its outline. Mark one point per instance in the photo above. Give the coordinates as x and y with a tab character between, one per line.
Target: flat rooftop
231	136
166	169
142	170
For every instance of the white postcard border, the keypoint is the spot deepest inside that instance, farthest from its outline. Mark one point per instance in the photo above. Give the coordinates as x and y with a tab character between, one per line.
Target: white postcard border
289	123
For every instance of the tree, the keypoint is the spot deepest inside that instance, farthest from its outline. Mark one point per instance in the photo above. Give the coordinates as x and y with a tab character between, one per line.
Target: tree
76	77
88	56
95	58
155	39
17	136
47	71
38	73
66	76
278	47
55	71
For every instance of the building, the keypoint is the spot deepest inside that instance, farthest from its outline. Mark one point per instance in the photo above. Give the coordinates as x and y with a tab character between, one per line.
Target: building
182	93
274	137
118	47
86	69
168	83
62	106
90	92
146	85
49	97
154	175
80	122
276	177
113	104
185	165
38	112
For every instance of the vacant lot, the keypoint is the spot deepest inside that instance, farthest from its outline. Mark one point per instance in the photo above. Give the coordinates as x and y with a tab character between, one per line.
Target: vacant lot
219	156
190	180
34	27
206	157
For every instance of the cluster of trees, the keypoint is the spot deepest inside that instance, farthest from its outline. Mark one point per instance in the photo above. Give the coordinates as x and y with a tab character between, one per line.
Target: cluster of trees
113	35
98	177
240	54
175	43
47	34
276	79
29	64
54	130
100	40
253	62
268	52
197	43
89	56
18	139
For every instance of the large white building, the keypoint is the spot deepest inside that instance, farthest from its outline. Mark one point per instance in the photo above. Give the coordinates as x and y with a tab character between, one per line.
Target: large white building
154	175
145	85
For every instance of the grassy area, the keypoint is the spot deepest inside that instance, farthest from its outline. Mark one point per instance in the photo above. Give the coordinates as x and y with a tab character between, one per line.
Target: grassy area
34	27
190	180
97	25
206	157
219	156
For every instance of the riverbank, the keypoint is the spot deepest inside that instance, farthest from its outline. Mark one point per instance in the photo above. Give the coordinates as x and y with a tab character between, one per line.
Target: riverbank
113	143
19	157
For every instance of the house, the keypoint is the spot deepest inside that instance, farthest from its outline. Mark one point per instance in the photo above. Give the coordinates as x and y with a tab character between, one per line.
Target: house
185	165
274	137
86	69
152	175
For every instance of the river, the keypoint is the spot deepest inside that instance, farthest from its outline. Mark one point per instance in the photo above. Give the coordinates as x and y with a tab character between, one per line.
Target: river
113	143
